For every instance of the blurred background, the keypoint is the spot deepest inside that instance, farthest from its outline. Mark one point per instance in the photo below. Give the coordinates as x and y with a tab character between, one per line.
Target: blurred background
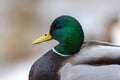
22	21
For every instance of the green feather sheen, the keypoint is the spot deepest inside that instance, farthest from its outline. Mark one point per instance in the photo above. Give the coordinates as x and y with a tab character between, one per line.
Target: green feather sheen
70	37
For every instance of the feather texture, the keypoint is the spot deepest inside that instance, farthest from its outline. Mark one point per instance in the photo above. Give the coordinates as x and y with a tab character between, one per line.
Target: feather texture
94	52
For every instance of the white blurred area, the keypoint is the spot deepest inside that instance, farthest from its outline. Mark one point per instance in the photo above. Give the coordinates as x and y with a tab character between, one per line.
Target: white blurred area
22	21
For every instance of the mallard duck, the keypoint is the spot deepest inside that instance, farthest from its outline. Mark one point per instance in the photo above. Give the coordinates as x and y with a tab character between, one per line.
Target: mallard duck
71	48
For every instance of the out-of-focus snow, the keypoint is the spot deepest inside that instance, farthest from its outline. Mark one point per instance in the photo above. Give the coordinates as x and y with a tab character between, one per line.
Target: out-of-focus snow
18	71
116	34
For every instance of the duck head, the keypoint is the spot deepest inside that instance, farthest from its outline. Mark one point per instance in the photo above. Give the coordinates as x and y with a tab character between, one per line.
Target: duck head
68	32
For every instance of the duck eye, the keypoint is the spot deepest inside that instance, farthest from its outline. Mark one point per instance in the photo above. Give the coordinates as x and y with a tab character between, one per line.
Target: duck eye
57	26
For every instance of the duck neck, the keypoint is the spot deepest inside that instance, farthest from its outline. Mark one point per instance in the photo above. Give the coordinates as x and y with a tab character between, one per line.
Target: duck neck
47	67
69	46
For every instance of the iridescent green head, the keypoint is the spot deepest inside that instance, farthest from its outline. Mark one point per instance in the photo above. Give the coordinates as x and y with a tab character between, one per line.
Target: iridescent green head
68	32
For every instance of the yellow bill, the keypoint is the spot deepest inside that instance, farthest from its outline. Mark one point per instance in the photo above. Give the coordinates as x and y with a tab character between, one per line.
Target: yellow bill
43	38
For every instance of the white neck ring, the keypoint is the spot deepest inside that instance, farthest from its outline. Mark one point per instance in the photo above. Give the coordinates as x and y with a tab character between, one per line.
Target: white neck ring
60	53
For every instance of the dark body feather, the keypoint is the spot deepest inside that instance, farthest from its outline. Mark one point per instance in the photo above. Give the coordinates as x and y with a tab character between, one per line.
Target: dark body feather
47	67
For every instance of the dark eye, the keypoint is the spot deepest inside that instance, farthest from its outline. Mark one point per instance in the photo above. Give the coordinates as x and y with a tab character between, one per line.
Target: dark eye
57	26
